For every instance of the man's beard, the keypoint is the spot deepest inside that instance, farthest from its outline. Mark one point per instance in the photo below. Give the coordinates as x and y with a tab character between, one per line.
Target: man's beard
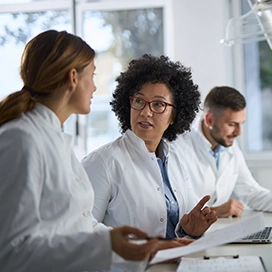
214	132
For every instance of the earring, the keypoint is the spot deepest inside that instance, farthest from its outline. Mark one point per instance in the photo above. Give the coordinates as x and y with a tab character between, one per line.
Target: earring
210	127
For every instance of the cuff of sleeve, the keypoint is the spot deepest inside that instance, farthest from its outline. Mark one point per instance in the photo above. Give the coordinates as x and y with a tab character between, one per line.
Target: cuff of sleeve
182	234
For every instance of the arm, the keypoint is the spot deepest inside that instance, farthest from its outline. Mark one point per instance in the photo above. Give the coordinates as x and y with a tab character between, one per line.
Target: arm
99	177
25	246
249	190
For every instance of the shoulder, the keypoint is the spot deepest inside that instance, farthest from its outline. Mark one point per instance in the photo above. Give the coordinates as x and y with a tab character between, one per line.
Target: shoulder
107	152
184	141
17	132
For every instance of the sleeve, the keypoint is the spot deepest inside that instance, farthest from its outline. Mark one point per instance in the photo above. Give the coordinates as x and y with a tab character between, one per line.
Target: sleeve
99	177
249	190
182	234
24	247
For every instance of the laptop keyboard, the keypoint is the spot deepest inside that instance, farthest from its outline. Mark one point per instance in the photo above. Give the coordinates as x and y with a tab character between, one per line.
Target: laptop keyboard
264	234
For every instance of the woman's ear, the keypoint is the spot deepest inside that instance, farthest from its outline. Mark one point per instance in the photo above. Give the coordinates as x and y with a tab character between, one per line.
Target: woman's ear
173	118
72	79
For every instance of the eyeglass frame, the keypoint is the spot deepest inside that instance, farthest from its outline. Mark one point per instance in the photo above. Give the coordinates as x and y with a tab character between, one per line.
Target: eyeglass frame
149	102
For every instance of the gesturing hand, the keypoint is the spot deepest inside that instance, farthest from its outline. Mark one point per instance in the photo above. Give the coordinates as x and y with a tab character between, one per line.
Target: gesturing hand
199	219
232	207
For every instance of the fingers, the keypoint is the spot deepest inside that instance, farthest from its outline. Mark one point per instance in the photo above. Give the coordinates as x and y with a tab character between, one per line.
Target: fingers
208	213
127	230
184	241
201	203
132	251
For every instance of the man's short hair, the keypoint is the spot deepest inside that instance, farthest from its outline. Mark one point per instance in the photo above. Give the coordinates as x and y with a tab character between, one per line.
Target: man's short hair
223	97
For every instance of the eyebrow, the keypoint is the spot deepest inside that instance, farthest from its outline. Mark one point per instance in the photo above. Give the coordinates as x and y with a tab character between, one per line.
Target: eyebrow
234	122
157	96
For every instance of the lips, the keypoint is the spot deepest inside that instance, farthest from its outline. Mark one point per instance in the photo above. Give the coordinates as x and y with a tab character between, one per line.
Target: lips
145	124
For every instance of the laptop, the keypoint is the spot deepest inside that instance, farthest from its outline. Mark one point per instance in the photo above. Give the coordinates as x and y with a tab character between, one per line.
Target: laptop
261	237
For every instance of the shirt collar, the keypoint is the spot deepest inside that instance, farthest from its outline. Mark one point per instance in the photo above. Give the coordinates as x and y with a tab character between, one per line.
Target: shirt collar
205	142
47	115
163	147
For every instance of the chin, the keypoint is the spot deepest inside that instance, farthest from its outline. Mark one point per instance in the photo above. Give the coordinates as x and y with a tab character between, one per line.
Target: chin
85	111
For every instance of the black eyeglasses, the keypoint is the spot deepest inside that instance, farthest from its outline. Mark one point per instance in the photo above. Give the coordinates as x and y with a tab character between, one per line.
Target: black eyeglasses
155	106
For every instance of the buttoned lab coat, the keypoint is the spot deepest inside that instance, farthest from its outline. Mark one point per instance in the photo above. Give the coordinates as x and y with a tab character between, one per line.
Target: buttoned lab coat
129	187
46	201
231	176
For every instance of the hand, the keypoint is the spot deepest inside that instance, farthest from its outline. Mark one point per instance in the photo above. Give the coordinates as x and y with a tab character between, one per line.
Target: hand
231	208
199	219
129	250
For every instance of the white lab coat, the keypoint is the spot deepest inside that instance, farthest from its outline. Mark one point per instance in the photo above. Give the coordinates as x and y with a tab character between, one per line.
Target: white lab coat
232	175
46	201
129	187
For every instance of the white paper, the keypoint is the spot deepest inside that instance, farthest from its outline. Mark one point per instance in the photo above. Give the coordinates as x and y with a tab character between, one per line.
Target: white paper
221	264
215	238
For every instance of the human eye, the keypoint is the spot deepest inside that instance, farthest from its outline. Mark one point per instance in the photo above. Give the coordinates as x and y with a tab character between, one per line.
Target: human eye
158	104
138	101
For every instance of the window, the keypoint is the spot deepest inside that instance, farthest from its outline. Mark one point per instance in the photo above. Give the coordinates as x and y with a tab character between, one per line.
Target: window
118	30
258	92
122	34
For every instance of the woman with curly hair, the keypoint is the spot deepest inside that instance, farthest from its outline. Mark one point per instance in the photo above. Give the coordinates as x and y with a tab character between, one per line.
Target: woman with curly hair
137	180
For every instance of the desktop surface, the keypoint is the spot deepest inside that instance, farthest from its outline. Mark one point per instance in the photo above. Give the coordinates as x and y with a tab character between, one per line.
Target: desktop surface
262	250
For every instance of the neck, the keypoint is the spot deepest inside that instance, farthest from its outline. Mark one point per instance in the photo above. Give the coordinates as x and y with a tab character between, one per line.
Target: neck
58	103
57	108
207	134
151	146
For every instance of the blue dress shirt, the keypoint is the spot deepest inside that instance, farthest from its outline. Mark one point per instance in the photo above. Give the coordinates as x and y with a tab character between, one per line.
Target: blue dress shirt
171	202
216	152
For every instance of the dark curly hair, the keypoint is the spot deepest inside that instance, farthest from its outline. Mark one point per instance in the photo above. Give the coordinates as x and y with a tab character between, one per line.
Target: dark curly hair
174	75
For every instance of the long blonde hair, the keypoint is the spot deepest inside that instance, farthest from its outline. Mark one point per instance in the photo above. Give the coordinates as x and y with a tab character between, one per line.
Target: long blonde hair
45	64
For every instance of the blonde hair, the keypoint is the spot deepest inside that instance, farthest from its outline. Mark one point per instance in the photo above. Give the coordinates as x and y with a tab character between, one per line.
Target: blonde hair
45	64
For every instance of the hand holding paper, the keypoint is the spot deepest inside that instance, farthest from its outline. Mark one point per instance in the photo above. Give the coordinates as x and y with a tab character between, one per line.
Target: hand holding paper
219	237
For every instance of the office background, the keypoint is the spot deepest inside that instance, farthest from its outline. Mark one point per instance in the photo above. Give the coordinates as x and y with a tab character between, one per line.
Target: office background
188	31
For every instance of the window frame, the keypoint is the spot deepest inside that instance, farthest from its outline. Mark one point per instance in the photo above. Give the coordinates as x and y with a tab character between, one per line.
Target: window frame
238	79
116	5
76	9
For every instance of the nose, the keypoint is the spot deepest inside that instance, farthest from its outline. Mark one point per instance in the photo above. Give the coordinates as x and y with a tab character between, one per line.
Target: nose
238	130
146	111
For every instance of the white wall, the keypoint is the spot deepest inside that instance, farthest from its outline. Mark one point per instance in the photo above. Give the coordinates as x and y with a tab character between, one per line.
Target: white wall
198	29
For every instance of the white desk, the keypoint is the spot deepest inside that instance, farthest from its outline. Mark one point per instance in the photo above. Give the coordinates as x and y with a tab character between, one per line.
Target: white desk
263	250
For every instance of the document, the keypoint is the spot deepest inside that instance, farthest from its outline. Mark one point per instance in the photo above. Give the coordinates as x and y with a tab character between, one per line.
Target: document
222	264
215	238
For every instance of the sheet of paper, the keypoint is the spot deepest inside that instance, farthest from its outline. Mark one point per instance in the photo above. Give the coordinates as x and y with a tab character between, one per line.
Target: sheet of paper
215	238
222	264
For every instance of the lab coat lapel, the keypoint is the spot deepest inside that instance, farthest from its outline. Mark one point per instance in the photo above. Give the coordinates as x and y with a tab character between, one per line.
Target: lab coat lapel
225	158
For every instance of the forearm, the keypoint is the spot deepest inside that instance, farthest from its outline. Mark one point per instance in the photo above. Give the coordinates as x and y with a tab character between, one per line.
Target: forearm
74	252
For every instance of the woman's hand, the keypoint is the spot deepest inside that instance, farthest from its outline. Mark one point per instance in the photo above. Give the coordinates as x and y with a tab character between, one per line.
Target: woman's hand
199	219
146	249
130	250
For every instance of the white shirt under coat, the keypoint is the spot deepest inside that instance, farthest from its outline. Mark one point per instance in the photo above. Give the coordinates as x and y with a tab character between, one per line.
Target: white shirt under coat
231	176
46	201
